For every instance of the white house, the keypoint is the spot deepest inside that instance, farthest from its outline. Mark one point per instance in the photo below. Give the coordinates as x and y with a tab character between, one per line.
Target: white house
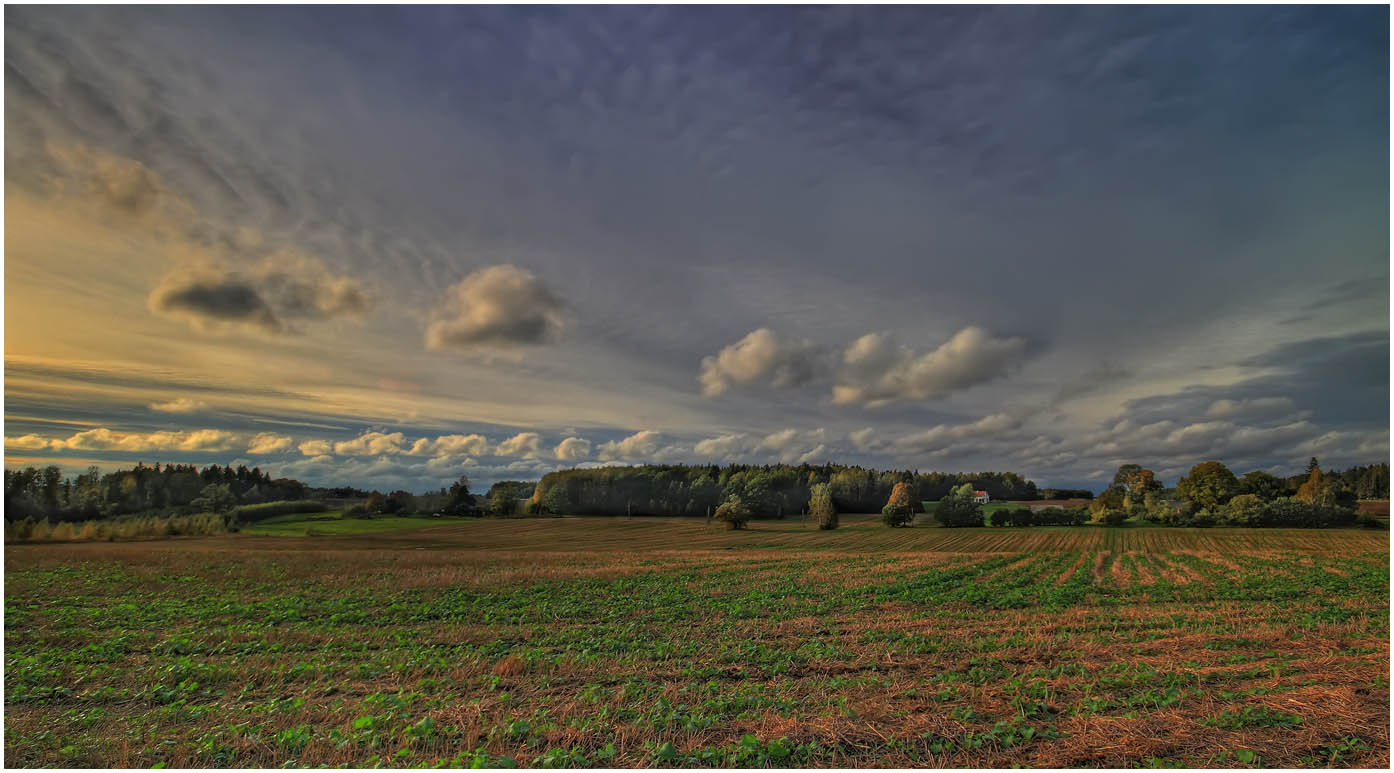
980	497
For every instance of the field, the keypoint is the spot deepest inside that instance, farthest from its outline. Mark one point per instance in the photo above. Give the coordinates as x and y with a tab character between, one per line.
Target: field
333	524
669	642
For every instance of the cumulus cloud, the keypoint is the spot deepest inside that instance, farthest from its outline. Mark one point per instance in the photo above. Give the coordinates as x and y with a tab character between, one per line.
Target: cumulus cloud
269	443
763	357
525	444
640	445
103	439
875	371
384	472
316	448
787	445
371	444
498	306
271	298
1171	447
1228	409
450	465
865	440
726	446
26	443
180	405
450	445
573	449
794	446
1096	379
941	438
1343	447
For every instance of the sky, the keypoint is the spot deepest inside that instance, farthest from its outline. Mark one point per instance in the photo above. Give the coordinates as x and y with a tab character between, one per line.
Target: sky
385	247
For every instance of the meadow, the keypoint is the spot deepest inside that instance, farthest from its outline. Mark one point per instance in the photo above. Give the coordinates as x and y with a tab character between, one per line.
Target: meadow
661	642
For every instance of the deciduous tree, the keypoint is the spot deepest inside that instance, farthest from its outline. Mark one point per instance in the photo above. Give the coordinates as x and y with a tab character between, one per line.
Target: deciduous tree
1208	486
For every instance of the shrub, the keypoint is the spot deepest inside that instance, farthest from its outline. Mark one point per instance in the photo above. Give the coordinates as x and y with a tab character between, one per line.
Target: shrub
733	513
958	511
896	516
821	507
1368	522
1292	512
1060	516
1020	516
358	512
1245	510
1111	516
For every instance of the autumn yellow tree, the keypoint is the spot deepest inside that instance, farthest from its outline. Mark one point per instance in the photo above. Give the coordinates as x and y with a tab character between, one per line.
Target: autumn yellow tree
1318	490
900	509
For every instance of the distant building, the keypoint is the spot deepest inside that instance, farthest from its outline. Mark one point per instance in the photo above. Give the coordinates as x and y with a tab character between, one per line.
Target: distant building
981	497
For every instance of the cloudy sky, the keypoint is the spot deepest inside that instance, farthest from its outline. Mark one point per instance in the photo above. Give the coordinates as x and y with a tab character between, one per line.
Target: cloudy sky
389	246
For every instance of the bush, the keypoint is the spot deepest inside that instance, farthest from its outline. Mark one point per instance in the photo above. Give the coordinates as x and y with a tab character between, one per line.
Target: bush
959	511
1020	516
1368	522
1060	516
896	516
1294	513
1202	519
1245	510
821	507
124	528
733	513
1111	516
359	512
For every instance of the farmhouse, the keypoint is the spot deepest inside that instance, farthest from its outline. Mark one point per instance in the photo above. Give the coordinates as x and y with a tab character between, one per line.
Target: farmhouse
981	497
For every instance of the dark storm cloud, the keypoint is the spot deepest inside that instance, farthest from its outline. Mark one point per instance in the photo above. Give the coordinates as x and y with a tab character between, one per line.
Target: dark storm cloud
1341	379
216	299
277	293
1316	386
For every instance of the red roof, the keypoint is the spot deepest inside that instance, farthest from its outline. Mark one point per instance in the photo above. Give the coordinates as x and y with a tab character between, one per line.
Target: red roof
980	493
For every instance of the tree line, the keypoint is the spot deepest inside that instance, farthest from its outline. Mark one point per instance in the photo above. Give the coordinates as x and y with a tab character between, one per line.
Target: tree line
767	491
245	494
44	492
1209	495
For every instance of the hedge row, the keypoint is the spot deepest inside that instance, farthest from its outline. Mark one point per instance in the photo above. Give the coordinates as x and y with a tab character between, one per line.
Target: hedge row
1048	516
254	513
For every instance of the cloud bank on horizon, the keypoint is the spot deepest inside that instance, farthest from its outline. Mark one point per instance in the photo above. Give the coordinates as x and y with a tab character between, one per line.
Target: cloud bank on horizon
419	242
